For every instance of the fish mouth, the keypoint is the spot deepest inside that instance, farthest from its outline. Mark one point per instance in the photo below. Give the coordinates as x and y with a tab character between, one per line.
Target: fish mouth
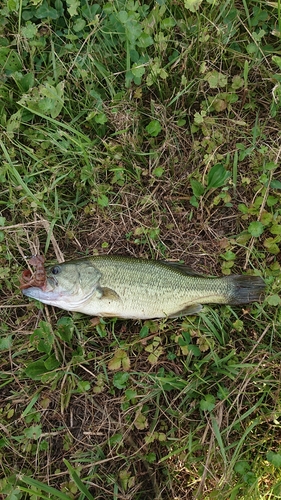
37	293
45	293
52	294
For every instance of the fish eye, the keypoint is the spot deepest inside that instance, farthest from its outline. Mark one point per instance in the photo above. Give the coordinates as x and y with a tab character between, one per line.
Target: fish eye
55	270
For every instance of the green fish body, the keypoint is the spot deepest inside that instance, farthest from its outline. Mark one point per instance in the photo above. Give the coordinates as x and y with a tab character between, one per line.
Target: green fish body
125	287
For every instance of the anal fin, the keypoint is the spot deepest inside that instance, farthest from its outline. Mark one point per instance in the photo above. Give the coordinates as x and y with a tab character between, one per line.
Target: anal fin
187	311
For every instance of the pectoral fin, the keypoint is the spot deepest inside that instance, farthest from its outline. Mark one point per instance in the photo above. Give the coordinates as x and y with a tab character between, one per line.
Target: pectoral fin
105	293
189	310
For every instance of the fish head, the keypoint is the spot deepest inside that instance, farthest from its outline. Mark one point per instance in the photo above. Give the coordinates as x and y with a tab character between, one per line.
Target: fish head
68	285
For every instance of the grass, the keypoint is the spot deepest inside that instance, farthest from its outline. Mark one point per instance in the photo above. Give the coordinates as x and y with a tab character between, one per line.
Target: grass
150	130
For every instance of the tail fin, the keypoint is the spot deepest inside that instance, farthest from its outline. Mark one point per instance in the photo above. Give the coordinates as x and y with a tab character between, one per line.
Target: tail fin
244	289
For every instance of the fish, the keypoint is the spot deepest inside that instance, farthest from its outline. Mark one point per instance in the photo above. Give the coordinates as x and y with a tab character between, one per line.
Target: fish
137	288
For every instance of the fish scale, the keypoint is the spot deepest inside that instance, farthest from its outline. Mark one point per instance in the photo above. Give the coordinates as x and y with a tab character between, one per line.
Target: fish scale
150	288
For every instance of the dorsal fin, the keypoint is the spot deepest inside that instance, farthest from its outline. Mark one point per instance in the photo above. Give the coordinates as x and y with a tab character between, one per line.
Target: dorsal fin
182	268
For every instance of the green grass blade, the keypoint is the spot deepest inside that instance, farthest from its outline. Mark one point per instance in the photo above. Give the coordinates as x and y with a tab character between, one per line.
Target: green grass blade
78	481
57	123
41	486
19	180
219	439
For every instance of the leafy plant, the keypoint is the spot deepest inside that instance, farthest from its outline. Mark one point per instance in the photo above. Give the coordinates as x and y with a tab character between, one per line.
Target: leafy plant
217	177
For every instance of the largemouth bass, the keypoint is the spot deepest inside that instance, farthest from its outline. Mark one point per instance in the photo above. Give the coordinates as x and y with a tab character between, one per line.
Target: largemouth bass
125	287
